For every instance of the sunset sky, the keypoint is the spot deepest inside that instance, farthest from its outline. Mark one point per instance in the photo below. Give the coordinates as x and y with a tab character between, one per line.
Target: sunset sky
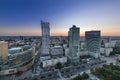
22	17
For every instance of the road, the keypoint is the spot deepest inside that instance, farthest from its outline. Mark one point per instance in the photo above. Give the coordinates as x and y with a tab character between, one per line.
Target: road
65	73
88	67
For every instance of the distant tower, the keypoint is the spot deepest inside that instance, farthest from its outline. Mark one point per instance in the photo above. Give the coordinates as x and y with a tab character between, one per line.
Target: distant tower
102	44
45	38
93	43
109	39
73	36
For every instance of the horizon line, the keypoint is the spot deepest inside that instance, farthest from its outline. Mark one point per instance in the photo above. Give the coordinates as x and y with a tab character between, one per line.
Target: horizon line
51	35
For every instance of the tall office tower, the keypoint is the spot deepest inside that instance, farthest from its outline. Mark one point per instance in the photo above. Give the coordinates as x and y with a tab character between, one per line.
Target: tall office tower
73	37
45	38
93	43
3	50
109	39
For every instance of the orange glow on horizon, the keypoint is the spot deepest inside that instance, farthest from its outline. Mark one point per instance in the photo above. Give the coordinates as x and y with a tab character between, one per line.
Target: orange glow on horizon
55	32
38	33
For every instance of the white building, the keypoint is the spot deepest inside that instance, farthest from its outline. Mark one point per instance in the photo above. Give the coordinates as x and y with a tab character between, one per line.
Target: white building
106	51
110	44
82	46
53	61
108	48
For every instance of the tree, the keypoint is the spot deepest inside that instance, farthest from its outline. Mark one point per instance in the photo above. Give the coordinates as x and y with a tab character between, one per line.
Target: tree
97	71
108	77
85	75
58	65
108	72
78	77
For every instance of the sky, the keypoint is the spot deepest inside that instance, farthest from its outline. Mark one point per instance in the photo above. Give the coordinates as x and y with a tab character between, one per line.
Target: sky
22	17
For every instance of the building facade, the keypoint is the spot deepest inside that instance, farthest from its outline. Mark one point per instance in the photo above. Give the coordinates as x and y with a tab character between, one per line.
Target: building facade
93	43
3	51
53	61
20	58
56	51
45	29
73	37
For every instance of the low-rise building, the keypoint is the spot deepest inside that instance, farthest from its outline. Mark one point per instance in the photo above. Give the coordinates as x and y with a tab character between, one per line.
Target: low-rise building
53	61
22	55
106	51
56	50
117	44
110	44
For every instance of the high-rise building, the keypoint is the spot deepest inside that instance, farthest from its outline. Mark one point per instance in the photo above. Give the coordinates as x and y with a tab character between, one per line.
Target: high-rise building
3	48
93	43
45	38
73	37
109	39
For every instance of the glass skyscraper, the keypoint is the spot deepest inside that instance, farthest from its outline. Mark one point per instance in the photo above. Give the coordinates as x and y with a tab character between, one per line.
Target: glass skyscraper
45	38
93	43
73	37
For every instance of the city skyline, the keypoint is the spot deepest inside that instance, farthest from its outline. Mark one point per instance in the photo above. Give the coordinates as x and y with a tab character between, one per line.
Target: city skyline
23	17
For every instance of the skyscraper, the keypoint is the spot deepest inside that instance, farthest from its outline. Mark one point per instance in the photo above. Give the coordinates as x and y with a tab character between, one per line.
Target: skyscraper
73	36
3	48
45	38
93	41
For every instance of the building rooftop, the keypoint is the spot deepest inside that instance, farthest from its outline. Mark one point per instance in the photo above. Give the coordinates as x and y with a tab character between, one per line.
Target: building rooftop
57	47
14	50
1	42
18	49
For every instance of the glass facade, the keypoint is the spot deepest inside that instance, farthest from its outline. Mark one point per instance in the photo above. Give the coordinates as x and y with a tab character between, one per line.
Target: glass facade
73	37
20	58
45	38
93	40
